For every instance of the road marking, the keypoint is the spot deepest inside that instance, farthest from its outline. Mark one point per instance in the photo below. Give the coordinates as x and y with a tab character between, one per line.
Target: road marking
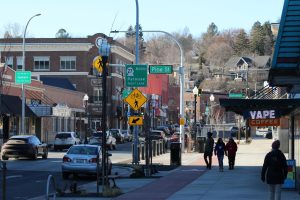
15	176
192	170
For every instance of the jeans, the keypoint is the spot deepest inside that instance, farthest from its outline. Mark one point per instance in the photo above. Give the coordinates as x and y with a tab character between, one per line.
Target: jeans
220	159
208	162
274	191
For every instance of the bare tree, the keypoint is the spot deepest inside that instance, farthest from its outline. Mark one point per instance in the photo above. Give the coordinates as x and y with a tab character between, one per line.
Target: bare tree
12	31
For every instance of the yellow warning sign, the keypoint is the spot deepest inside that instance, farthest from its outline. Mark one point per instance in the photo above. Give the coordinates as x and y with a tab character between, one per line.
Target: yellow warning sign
135	121
181	121
98	64
136	99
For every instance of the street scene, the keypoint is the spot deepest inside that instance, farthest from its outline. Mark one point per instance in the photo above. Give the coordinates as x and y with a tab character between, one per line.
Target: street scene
150	100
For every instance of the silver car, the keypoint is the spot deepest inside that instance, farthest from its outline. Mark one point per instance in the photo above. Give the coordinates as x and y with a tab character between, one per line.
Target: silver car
82	159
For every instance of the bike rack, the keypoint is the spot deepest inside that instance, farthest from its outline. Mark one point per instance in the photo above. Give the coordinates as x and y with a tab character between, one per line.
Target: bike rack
50	178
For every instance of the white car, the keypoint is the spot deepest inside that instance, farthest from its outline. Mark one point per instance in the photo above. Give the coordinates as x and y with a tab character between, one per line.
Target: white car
96	139
64	140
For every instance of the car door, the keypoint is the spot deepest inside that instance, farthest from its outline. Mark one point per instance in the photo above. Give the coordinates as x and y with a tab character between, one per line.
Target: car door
38	144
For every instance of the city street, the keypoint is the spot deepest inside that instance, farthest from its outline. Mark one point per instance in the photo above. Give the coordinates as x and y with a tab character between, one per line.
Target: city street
28	178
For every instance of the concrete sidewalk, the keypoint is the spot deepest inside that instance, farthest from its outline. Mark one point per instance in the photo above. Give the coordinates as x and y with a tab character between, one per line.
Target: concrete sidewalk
192	181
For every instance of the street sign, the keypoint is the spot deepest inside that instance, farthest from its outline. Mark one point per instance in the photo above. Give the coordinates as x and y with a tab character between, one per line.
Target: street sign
98	64
136	99
237	95
125	93
135	121
136	75
23	77
160	69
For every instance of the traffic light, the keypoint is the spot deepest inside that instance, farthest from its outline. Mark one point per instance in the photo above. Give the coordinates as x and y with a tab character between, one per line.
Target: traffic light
142	110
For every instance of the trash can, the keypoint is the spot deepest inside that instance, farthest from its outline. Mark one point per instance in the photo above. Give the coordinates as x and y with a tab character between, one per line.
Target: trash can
175	153
201	143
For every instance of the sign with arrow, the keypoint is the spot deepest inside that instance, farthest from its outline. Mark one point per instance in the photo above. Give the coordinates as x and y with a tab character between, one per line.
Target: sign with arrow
135	121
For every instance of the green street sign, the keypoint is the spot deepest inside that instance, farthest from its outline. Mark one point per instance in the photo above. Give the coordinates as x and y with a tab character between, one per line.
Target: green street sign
125	93
237	95
136	75
23	77
160	69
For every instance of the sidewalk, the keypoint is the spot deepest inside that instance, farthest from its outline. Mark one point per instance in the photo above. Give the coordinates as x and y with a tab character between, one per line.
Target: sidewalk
192	181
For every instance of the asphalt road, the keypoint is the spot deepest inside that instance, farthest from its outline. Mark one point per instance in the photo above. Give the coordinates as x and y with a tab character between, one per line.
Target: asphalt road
28	178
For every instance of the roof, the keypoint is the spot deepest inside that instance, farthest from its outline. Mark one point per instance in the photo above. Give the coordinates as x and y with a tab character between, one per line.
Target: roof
285	65
58	82
239	106
13	105
262	61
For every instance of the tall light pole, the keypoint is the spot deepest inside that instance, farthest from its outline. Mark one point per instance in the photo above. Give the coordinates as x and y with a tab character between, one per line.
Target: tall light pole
211	99
85	100
195	92
23	69
181	73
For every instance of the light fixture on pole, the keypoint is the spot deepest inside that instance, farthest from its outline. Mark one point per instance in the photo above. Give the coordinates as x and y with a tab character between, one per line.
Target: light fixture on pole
104	51
195	92
211	99
85	100
23	69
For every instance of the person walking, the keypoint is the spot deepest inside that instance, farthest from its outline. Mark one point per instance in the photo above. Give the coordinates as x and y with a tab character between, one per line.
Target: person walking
231	149
208	151
274	171
219	152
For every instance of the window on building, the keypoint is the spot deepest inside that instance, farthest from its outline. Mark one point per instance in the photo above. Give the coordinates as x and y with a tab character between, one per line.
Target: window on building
97	95
68	63
9	60
41	63
19	63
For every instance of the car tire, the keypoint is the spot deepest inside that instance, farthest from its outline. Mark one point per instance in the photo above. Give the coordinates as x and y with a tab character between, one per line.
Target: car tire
4	157
35	154
65	175
45	155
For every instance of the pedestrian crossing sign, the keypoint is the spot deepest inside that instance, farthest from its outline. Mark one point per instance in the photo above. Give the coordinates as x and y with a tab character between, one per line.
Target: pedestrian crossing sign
136	99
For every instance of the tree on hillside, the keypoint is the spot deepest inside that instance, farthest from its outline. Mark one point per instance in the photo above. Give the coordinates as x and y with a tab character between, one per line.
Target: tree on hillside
62	33
12	31
269	41
241	43
257	39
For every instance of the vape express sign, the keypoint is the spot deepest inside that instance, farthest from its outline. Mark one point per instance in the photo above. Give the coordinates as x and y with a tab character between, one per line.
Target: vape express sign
263	117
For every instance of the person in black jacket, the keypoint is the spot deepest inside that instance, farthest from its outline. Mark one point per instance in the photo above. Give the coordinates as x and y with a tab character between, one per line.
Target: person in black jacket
274	170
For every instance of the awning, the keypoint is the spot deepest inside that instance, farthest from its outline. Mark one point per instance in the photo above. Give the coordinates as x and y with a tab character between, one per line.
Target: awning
13	105
285	106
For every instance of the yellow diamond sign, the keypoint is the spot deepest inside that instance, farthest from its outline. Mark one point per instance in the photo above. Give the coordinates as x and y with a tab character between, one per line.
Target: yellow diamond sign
136	99
98	64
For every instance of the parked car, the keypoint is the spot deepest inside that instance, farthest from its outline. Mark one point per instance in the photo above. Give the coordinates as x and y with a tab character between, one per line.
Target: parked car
96	139
127	135
165	129
82	159
157	135
64	140
24	146
118	134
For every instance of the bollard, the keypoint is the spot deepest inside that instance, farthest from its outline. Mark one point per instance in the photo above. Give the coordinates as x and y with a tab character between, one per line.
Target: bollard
154	148
143	151
4	180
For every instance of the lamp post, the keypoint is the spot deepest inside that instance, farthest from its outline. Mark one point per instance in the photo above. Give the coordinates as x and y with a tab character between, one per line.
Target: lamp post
211	99
23	69
85	100
195	92
104	50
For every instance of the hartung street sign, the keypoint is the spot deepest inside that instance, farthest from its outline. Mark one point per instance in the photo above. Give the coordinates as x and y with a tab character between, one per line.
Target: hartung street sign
23	77
136	75
160	69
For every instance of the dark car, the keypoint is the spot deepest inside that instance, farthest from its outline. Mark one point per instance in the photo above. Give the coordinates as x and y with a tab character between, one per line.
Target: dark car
157	135
165	129
24	146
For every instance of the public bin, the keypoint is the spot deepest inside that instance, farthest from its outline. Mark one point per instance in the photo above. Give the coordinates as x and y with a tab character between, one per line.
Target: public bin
201	143
175	153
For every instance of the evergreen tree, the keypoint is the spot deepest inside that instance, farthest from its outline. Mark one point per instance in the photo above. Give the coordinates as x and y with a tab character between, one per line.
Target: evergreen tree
62	33
257	39
241	43
269	41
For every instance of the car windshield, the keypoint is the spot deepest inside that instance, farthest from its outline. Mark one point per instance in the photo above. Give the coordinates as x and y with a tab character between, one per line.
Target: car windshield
83	150
63	135
17	141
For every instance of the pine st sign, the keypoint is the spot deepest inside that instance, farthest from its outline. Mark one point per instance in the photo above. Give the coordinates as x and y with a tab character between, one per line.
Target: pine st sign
136	99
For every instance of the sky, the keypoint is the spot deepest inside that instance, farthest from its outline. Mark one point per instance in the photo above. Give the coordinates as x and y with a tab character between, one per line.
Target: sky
87	17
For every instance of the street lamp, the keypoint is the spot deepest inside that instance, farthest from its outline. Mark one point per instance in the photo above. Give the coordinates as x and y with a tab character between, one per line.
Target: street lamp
85	100
23	69
195	92
104	50
211	99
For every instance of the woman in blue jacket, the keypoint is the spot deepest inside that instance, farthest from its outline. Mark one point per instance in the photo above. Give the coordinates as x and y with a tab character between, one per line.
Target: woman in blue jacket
219	152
